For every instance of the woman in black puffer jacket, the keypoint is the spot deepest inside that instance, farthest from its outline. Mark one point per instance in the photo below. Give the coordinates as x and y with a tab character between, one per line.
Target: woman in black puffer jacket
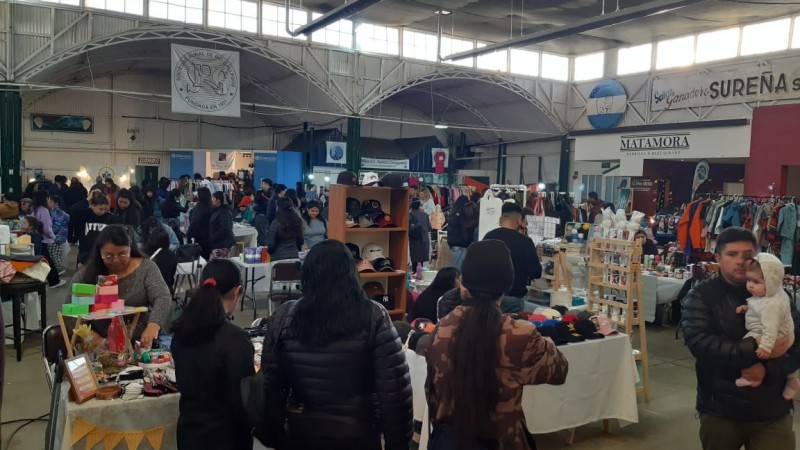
339	355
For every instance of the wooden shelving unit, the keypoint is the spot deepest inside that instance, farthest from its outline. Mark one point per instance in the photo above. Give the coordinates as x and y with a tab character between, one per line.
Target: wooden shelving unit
394	241
615	269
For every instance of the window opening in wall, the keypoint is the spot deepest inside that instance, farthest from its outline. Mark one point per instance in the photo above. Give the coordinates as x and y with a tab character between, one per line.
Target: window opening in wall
796	33
273	21
591	183
377	39
239	15
555	67
524	62
419	45
675	52
187	11
589	67
64	2
124	6
765	37
634	59
452	45
717	45
497	61
339	33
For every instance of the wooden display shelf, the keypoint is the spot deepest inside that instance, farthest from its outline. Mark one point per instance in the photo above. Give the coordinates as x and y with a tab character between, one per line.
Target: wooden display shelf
368	275
374	230
396	313
609	266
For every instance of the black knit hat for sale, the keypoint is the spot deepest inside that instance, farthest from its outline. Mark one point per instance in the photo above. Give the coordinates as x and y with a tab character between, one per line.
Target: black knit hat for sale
487	267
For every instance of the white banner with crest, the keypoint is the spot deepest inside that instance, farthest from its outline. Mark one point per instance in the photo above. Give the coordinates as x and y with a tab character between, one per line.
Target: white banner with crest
205	81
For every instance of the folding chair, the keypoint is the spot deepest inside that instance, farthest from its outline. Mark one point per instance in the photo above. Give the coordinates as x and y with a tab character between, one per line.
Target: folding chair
54	349
287	273
189	264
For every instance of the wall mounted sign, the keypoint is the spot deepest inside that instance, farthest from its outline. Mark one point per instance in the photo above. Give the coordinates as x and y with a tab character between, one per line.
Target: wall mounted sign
606	105
384	164
335	152
736	86
62	124
148	161
656	143
205	81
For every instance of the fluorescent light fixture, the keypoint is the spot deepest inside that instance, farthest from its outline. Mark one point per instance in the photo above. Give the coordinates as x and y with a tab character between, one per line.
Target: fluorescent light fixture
440	126
342	12
327	178
443	12
133	170
311	176
541	186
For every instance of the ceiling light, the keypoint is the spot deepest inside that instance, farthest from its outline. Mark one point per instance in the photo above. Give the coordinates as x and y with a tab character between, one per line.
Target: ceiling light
443	12
440	126
541	186
327	178
311	176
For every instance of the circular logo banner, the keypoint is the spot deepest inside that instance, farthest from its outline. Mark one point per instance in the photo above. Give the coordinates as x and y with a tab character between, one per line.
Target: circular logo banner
606	105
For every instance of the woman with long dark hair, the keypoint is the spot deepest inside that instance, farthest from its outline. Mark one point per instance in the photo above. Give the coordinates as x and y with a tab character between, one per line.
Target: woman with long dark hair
336	325
285	235
171	209
89	223
139	280
212	355
129	210
481	359
316	228
111	191
41	210
461	227
157	248
199	220
149	203
425	305
220	228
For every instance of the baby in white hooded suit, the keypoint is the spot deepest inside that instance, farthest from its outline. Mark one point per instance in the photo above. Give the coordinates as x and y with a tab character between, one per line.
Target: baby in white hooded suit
768	314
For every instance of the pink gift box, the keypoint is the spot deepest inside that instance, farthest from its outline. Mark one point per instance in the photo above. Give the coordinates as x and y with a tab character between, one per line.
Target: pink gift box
118	305
108	290
107	299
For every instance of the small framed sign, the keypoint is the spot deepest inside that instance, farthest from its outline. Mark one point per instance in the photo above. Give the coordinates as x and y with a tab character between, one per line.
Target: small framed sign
81	377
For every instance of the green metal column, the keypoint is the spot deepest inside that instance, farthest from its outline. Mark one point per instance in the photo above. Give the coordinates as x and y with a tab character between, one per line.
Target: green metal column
10	140
354	144
563	168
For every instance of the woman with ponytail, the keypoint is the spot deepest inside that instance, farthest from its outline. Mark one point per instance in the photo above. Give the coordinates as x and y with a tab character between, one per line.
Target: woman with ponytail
285	236
212	355
481	359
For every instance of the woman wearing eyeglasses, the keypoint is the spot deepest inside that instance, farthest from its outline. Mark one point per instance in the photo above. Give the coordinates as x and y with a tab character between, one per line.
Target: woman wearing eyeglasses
140	282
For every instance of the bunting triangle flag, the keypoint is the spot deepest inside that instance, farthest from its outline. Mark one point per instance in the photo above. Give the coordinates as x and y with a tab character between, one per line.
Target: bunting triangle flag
133	439
155	436
95	436
112	439
80	428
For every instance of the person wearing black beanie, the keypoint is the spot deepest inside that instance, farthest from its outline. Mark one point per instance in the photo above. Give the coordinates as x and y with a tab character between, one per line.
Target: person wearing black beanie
481	359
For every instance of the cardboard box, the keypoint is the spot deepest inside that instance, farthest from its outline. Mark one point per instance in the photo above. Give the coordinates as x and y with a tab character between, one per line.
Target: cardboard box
83	289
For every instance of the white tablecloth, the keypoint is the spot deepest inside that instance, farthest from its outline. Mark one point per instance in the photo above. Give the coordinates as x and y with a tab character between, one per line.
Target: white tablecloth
245	234
122	415
658	291
601	384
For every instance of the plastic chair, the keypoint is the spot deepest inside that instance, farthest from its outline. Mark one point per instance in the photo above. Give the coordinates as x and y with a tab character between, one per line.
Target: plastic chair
54	350
189	264
285	272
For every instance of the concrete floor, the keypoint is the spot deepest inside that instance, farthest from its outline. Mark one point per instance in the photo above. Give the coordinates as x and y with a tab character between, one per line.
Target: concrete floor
668	421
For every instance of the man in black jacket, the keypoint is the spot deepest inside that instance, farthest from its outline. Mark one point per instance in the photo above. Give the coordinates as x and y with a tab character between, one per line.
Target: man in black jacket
730	416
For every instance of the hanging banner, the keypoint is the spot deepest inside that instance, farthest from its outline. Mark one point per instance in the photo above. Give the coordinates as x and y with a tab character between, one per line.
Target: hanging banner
181	163
222	161
441	159
701	173
335	152
384	164
205	81
780	81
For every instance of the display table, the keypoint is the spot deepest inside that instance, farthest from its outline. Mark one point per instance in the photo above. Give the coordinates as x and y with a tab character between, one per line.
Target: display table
17	291
148	421
245	234
659	291
600	385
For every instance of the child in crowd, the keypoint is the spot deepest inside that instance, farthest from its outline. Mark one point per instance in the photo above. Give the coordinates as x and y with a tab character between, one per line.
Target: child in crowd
768	315
33	233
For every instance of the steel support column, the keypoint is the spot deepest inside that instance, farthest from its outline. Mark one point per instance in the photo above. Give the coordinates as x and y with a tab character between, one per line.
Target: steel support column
563	167
10	140
354	144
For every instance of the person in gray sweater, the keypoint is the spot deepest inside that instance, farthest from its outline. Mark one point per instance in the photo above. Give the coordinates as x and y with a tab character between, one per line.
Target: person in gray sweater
285	236
139	280
316	228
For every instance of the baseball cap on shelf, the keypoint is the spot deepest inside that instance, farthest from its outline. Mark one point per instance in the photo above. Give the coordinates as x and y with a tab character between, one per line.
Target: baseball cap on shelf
561	309
347	178
550	313
371	207
585	315
538	317
362	265
384	220
373	289
370	179
371	252
353	206
570	318
603	325
349	222
354	250
383	265
392	180
550	331
550	322
587	329
365	222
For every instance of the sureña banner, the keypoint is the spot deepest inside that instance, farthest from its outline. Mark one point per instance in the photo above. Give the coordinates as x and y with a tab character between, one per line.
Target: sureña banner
724	88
